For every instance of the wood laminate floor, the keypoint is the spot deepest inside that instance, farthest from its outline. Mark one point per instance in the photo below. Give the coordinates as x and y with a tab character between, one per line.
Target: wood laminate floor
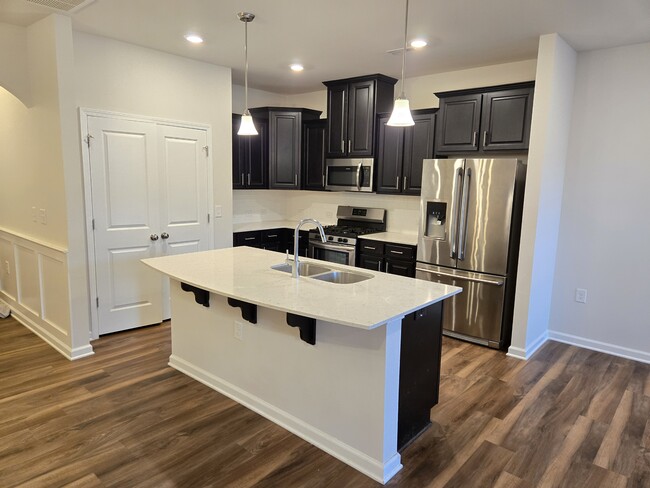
569	417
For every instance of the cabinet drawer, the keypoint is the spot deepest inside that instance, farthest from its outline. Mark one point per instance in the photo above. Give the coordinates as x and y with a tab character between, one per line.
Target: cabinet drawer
272	235
401	252
252	238
372	247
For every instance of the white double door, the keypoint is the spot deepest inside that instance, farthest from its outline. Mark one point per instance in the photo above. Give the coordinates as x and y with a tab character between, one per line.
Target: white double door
150	197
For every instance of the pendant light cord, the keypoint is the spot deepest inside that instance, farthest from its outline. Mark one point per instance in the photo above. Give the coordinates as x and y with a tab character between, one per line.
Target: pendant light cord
246	65
406	23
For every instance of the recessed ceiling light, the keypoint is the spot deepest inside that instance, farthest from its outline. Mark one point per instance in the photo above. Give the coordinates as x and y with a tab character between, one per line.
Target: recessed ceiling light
297	67
194	39
418	43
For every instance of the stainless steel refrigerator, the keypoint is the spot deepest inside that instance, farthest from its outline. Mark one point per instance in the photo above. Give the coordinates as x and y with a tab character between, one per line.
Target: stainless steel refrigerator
469	237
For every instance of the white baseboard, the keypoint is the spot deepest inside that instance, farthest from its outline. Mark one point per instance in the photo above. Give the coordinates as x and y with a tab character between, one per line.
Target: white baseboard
624	352
349	455
65	350
525	354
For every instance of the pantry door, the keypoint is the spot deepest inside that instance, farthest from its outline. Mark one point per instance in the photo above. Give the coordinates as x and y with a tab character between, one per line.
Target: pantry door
184	181
126	221
150	197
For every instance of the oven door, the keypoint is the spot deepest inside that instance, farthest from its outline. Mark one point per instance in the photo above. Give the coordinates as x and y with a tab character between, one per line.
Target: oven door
334	253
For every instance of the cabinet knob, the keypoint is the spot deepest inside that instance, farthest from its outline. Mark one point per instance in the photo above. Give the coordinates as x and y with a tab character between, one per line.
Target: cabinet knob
153	237
164	235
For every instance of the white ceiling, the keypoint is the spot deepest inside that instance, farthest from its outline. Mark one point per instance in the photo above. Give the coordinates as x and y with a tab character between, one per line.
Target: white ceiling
343	38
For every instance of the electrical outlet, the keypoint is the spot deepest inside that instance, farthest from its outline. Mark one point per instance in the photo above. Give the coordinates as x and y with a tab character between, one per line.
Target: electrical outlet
581	295
239	330
42	216
34	214
7	268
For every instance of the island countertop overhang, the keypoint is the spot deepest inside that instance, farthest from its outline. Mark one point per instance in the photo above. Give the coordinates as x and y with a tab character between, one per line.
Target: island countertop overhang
245	274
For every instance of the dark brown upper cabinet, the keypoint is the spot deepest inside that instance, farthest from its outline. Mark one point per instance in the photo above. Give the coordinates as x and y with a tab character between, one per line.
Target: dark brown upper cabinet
352	107
485	119
250	163
401	150
285	143
314	137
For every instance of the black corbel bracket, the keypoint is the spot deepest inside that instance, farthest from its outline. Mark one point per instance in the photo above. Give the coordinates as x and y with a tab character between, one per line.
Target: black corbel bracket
248	310
306	325
202	297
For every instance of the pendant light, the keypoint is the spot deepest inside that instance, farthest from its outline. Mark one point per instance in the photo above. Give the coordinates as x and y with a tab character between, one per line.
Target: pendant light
401	116
246	128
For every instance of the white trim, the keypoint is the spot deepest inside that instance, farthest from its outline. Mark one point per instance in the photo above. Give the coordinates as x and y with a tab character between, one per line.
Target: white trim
526	354
320	439
62	348
42	247
613	349
84	113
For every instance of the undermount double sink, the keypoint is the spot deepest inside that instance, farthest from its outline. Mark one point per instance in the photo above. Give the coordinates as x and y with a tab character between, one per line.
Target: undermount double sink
317	272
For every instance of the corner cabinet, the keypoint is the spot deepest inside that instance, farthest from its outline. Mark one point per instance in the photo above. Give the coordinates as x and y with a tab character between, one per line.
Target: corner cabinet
250	163
352	107
314	139
284	143
485	119
401	150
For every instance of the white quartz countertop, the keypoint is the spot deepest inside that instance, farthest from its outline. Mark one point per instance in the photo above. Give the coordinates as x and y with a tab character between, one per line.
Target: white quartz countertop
394	237
245	273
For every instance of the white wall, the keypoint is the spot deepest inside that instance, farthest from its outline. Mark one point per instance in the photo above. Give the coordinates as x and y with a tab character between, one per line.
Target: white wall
14	75
604	232
543	196
122	77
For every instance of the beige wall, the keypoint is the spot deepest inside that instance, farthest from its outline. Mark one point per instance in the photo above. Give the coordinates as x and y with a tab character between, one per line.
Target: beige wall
543	197
31	158
14	75
604	233
122	77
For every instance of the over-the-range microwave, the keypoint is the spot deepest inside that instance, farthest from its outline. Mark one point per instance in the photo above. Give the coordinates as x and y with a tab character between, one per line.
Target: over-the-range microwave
354	174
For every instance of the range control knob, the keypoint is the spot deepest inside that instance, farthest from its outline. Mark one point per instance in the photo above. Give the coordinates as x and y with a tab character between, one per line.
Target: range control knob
330	238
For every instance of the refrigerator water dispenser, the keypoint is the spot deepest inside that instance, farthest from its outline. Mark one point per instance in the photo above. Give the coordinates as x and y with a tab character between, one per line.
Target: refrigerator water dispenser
436	216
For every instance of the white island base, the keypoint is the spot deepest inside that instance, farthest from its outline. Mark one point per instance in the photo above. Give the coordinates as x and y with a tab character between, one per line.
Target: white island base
356	376
340	394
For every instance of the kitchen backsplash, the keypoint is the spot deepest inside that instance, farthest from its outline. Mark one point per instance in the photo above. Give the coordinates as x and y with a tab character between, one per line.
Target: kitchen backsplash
268	205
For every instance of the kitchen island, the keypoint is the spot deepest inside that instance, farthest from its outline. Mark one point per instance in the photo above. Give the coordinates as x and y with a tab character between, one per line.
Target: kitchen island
320	359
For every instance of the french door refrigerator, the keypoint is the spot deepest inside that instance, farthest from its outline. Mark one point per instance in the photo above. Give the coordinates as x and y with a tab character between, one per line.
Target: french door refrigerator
470	221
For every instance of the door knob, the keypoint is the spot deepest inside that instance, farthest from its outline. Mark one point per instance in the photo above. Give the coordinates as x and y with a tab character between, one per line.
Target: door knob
153	237
164	235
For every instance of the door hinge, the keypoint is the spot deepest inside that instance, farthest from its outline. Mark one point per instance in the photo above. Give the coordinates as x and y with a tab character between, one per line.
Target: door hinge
97	301
207	150
87	139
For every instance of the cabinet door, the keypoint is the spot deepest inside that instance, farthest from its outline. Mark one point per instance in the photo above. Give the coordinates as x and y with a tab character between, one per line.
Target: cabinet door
284	148
369	261
389	157
258	160
361	118
313	161
506	119
458	123
240	150
418	146
337	120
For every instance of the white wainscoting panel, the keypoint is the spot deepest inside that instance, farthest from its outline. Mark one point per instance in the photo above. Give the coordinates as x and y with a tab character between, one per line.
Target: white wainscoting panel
34	283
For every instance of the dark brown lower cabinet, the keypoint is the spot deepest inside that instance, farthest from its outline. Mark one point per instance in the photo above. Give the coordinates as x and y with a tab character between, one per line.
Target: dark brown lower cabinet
398	259
279	240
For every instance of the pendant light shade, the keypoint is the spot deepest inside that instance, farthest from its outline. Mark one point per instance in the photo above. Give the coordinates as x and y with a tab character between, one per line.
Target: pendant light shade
247	127
401	116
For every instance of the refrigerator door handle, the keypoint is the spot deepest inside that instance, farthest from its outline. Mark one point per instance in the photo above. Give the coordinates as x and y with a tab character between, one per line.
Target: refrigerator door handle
465	278
462	224
454	227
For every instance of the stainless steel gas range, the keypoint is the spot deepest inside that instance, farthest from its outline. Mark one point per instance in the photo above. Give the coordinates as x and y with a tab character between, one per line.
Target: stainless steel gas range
341	244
